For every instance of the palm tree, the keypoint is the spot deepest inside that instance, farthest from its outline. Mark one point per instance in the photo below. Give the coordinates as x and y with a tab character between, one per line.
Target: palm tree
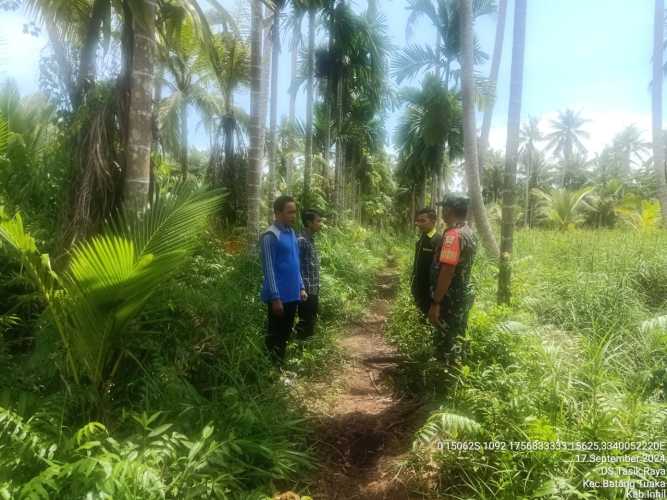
493	79
256	145
182	55
512	152
295	44
137	169
529	136
562	208
469	130
308	160
630	148
432	123
273	115
566	138
658	138
446	18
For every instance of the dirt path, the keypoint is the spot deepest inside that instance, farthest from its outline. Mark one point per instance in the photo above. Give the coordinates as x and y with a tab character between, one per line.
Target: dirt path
365	428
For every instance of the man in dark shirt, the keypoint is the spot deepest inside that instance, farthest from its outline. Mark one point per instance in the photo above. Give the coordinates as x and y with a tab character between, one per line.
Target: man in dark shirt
425	248
310	272
283	288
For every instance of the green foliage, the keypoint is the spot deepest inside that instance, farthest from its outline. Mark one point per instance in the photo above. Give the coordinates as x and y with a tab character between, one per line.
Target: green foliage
577	357
110	278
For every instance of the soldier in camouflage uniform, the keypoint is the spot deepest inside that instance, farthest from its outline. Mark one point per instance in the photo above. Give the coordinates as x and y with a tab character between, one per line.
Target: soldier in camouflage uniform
453	294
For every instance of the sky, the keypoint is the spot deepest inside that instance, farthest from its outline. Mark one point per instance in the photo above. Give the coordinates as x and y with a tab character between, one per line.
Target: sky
593	56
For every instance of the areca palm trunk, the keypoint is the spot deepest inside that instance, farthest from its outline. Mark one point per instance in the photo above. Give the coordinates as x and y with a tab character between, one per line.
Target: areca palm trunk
658	138
469	132
289	164
493	77
308	161
137	174
509	180
339	195
256	146
328	112
184	140
273	124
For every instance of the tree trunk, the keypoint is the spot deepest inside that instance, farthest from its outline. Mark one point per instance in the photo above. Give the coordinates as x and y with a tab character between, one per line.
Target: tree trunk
137	174
184	141
328	103
289	164
338	175
273	155
256	145
470	134
87	65
511	154
267	44
493	77
308	160
157	99
529	173
658	138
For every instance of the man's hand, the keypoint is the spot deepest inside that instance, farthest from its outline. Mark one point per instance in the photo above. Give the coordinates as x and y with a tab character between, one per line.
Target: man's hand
304	296
277	308
434	314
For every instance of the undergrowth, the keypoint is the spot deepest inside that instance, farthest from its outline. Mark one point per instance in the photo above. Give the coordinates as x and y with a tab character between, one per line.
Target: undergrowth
578	357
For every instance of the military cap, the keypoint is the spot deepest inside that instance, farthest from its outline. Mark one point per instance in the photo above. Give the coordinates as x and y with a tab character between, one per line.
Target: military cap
459	201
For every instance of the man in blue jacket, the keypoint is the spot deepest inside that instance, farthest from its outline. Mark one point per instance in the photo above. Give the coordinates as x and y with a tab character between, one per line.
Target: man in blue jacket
283	286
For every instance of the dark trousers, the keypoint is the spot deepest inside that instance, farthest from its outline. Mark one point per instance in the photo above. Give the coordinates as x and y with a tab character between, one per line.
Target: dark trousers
279	330
307	311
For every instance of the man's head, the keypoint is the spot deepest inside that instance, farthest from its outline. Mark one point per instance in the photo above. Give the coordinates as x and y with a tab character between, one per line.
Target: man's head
284	210
455	208
312	220
425	219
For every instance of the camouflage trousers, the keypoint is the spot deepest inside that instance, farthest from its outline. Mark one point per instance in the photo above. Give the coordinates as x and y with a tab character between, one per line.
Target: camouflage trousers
448	336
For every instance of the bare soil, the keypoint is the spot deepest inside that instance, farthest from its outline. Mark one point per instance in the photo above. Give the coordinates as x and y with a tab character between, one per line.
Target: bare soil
364	426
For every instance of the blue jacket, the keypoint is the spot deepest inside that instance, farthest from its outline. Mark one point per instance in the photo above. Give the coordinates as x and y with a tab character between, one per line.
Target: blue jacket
280	263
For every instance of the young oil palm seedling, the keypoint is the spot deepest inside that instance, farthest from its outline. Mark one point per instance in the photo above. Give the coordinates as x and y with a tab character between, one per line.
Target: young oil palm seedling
109	279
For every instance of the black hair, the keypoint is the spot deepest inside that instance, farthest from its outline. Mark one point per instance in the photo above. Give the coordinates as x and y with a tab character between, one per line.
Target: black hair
309	216
427	211
458	211
281	201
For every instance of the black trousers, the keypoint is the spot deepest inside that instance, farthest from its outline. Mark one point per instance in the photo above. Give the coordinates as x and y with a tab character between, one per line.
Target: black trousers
279	329
307	311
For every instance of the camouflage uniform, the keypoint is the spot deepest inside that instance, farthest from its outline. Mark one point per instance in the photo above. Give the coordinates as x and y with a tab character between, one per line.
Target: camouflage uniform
458	248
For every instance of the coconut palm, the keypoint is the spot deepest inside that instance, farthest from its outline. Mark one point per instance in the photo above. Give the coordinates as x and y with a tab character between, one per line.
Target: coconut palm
445	17
603	201
493	79
512	152
630	149
469	129
139	120
188	67
562	208
566	138
529	136
110	278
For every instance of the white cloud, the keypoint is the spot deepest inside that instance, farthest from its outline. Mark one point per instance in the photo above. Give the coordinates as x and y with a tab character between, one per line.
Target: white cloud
22	51
602	127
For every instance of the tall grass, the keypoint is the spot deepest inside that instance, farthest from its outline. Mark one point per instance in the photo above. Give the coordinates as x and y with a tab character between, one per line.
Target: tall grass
579	356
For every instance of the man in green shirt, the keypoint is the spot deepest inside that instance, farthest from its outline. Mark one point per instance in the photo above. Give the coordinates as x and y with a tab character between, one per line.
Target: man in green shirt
453	294
425	248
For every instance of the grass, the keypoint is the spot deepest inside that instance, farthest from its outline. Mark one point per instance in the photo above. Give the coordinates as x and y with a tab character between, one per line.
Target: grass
195	409
578	357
